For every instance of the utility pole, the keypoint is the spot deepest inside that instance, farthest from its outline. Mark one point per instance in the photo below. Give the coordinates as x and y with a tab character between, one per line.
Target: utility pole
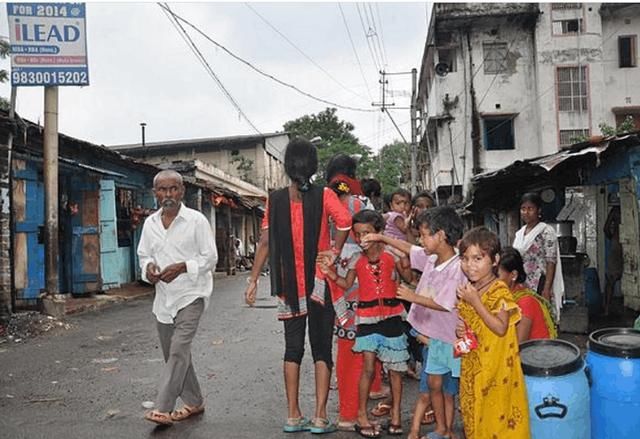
50	172
384	107
414	130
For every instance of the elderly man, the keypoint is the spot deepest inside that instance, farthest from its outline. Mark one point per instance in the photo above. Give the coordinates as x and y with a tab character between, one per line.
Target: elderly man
177	253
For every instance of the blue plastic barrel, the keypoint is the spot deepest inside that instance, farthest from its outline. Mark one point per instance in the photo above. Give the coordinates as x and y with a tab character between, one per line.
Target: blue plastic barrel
614	364
557	389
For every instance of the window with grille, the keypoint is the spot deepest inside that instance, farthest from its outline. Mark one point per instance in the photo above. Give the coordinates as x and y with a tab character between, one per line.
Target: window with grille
495	57
560	6
563	27
498	133
627	48
572	88
569	137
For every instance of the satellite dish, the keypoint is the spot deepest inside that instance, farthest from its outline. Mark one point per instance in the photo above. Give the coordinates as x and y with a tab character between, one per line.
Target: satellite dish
442	69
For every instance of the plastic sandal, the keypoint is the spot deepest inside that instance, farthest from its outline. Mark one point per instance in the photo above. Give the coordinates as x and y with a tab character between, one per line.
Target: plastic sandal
325	426
295	425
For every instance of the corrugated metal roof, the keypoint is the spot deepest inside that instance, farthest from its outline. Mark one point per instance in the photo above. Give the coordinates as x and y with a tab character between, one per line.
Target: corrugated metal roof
500	187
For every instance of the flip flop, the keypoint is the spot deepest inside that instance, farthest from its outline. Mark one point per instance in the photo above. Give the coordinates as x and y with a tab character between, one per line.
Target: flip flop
158	418
295	425
434	435
429	418
325	426
186	412
369	431
381	409
395	430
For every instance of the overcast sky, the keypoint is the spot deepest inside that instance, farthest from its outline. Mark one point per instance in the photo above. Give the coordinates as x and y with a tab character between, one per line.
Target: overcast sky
141	70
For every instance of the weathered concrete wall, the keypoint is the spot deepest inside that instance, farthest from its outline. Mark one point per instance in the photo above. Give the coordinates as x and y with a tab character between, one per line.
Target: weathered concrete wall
528	87
5	236
502	94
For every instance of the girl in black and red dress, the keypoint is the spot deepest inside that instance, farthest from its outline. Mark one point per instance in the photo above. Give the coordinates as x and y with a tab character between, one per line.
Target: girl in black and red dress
379	316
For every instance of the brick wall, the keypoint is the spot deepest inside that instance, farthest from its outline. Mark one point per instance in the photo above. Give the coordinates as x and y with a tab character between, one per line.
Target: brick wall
5	237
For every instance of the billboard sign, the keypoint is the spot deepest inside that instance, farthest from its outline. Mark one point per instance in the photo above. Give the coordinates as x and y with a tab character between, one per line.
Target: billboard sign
48	44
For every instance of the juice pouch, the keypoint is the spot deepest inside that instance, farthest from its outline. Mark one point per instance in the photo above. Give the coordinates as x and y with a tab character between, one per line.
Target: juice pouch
466	343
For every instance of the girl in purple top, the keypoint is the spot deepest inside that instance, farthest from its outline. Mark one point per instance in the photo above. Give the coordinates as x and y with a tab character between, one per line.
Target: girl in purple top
396	218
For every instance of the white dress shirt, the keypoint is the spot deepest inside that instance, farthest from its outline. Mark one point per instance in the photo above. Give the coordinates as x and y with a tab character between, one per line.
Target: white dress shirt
188	239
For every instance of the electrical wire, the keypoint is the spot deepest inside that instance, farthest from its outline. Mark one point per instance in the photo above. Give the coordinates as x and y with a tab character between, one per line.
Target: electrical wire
355	52
207	66
374	26
302	52
247	63
377	65
384	49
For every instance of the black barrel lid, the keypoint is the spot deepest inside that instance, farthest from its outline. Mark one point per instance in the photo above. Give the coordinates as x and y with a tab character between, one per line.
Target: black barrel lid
549	357
615	342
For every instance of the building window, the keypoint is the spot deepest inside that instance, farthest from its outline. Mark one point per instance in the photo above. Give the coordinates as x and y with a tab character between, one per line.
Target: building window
498	133
564	27
495	57
560	6
627	49
448	56
572	88
569	137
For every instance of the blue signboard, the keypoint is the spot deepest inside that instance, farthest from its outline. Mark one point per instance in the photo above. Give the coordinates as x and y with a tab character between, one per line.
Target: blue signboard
48	44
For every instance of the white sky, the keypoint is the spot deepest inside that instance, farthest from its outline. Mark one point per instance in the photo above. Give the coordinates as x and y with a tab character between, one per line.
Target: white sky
141	70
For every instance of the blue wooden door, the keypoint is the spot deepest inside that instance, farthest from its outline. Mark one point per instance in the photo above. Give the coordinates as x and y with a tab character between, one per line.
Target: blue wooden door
28	214
85	239
109	260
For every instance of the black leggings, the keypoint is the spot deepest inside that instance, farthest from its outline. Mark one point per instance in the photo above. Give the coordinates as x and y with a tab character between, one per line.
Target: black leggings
321	320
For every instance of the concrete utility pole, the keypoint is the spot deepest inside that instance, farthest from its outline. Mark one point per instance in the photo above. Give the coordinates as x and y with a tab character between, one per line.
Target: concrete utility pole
384	108
414	130
51	189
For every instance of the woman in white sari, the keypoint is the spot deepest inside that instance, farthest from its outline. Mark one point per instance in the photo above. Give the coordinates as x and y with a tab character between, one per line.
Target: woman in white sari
538	245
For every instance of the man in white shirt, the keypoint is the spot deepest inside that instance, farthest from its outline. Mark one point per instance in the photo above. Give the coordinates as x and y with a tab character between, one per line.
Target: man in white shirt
177	253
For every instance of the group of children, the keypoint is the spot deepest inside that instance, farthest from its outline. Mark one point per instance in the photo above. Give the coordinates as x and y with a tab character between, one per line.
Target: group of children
457	300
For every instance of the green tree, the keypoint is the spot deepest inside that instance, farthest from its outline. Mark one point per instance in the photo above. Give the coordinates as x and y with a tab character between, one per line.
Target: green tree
5	50
337	137
392	166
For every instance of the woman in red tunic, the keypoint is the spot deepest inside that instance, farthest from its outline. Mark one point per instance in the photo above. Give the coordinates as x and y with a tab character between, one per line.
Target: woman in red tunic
295	232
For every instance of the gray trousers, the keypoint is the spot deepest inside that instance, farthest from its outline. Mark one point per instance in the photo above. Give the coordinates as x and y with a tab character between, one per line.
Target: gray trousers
178	376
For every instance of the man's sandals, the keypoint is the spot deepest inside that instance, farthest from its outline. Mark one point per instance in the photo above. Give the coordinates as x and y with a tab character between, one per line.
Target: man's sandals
159	418
186	412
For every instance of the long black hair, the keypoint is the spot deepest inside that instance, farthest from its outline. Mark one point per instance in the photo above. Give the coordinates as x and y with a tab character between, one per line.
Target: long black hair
301	162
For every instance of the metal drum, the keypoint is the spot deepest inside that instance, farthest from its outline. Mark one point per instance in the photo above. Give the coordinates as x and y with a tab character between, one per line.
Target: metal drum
557	389
614	364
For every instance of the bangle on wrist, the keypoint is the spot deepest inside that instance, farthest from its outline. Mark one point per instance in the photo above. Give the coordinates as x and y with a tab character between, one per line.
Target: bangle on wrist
251	281
335	251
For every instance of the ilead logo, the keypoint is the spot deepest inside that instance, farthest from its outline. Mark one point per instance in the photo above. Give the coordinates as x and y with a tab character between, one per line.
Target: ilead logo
45	33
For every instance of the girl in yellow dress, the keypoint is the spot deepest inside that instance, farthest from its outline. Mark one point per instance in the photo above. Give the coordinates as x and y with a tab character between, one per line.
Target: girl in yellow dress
493	396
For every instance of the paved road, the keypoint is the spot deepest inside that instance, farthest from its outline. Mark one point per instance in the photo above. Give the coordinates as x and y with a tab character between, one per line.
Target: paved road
90	381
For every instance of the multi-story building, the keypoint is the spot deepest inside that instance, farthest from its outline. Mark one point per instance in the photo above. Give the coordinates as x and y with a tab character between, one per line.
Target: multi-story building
502	82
